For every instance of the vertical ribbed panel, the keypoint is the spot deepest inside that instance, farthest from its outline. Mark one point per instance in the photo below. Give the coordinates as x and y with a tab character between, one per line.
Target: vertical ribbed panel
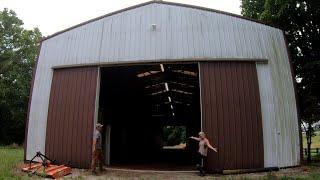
231	114
270	129
71	116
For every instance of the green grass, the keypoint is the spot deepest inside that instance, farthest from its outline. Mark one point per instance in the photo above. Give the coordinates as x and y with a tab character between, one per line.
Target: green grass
315	144
9	159
315	140
312	176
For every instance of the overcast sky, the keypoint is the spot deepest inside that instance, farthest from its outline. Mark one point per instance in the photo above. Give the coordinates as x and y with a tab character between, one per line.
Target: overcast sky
56	15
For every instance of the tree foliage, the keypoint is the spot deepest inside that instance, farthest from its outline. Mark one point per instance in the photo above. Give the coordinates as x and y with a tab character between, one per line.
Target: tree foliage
18	49
174	135
300	20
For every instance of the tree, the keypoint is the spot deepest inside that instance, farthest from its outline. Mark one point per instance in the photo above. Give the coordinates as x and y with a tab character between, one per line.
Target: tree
174	135
252	9
18	49
300	20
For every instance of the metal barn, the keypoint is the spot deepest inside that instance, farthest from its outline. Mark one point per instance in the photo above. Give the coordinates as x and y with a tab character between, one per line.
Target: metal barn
165	64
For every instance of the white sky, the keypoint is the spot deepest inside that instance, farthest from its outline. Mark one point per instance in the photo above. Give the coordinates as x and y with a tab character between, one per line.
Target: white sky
51	16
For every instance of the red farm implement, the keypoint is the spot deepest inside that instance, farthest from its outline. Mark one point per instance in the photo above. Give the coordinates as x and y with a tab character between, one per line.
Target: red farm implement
46	168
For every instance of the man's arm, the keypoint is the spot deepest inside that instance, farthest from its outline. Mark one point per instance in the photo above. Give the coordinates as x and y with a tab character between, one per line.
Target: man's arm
94	144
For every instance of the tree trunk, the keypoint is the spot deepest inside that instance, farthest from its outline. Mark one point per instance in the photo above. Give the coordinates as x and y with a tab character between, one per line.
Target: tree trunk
309	152
309	136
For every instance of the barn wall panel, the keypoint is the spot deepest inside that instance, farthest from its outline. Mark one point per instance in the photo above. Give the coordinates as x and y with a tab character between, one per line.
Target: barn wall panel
181	34
231	114
71	116
40	98
270	139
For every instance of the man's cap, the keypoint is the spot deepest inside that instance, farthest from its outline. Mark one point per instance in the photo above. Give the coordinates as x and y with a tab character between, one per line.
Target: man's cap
99	125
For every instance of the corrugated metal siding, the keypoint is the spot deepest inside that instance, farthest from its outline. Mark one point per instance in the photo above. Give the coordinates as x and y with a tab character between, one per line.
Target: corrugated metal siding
39	106
182	33
271	150
71	116
281	105
231	114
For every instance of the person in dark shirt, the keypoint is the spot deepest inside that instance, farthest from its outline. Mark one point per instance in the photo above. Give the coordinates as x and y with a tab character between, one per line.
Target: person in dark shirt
97	157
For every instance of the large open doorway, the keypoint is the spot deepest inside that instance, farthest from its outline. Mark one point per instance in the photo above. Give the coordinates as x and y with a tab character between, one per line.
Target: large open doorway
149	111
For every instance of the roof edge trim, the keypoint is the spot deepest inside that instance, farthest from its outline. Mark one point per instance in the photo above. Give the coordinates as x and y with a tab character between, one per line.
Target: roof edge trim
163	61
158	2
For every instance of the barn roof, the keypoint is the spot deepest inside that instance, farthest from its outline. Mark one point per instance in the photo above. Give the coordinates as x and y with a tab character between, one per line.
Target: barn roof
158	2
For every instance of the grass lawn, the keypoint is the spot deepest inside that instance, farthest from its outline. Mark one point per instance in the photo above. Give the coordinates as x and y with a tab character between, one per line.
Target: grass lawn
315	144
9	159
315	140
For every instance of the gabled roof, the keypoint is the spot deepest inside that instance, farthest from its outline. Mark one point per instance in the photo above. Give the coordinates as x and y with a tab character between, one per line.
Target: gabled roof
158	2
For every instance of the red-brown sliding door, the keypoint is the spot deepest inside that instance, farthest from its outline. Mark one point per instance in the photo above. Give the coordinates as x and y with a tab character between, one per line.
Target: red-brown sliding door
71	116
231	114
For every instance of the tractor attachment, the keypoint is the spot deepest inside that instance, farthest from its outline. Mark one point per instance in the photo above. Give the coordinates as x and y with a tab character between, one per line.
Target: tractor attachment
46	168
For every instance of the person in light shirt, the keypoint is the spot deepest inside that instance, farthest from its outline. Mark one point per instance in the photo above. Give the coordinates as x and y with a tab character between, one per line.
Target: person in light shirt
204	144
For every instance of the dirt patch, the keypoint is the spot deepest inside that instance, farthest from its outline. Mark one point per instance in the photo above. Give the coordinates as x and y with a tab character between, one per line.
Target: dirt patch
303	171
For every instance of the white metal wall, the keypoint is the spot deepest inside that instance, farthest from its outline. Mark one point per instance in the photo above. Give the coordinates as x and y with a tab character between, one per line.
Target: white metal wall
181	33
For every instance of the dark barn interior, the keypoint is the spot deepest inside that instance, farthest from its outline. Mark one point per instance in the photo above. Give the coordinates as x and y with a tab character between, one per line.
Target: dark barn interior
138	101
